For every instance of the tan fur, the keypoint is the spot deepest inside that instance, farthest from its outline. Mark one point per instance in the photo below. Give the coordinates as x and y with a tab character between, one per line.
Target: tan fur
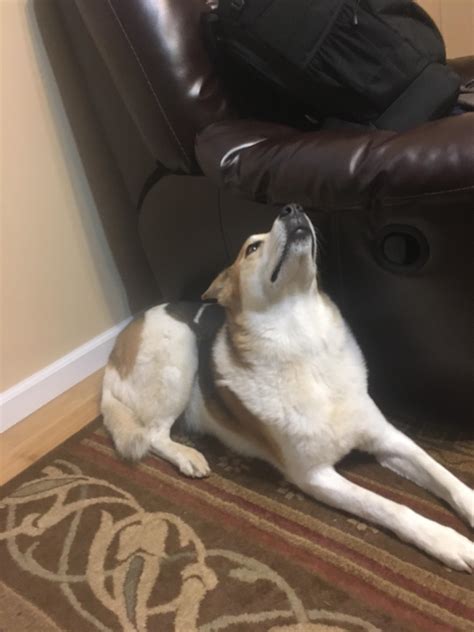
126	348
229	411
240	420
225	288
236	341
222	403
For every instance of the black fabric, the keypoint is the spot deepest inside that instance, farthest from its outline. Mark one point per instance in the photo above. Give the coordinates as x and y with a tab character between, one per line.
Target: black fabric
379	62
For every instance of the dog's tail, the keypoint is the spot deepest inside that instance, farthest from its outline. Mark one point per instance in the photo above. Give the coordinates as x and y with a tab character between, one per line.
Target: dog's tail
129	436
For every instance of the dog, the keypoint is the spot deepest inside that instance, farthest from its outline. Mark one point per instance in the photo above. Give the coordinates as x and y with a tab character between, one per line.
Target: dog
272	370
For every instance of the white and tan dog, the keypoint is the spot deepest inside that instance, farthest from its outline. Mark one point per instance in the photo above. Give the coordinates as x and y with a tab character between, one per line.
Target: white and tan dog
274	372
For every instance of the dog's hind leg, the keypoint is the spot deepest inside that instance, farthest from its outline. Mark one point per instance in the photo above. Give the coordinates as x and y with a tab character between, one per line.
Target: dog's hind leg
168	405
399	453
168	392
442	542
188	460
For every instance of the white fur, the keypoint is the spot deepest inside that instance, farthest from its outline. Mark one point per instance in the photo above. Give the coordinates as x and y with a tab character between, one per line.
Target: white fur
303	376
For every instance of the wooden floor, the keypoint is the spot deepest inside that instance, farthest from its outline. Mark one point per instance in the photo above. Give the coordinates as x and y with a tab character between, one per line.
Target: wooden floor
38	434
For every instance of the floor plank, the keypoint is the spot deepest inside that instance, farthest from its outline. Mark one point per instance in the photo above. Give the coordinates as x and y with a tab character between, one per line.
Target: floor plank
36	435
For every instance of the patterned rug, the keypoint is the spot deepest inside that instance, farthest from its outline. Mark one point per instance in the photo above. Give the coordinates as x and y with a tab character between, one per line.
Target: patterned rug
89	542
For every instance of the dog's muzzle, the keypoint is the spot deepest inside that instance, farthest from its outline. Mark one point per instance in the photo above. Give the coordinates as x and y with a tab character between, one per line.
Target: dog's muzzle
295	221
298	228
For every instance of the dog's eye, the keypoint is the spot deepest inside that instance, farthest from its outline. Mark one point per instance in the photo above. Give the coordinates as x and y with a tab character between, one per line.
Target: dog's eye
252	248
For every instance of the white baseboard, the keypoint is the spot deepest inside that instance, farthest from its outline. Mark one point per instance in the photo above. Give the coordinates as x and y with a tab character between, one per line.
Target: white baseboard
24	398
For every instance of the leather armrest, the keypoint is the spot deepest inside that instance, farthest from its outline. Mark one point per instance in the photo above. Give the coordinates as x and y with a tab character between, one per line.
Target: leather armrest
339	169
155	55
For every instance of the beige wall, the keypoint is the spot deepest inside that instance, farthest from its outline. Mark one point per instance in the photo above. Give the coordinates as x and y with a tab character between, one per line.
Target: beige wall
455	18
59	284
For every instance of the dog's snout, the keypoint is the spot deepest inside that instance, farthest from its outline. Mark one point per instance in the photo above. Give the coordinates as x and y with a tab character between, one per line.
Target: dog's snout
290	210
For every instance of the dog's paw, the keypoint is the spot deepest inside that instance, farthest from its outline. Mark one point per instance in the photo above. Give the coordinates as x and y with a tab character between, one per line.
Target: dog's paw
460	555
452	548
192	463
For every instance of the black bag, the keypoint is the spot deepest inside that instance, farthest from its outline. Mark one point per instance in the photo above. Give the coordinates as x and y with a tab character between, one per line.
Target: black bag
368	62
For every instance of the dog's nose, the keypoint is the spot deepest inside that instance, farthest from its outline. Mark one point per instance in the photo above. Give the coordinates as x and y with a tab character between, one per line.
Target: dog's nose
290	209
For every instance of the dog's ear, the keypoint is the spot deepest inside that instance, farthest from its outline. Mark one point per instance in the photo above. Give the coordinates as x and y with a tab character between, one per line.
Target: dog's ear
220	289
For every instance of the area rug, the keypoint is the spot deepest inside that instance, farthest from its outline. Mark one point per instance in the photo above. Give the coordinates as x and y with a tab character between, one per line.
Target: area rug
90	542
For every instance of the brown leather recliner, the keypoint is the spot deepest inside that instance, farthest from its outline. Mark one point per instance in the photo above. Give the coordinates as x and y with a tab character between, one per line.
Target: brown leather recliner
394	211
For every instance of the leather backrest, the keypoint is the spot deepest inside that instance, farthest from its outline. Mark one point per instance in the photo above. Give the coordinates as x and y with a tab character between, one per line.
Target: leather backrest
155	53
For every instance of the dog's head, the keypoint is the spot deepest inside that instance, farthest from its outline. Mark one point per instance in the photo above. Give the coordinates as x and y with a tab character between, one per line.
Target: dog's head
270	266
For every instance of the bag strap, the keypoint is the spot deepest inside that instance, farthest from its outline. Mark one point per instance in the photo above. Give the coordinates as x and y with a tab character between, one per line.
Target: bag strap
431	95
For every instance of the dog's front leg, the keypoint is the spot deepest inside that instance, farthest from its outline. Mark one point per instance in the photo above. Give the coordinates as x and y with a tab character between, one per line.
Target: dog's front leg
399	453
442	542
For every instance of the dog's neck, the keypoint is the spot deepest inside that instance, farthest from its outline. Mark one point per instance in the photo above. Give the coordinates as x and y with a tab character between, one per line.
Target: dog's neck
284	329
